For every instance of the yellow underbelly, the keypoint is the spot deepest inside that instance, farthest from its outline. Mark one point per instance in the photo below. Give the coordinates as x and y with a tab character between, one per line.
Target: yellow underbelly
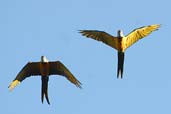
44	69
121	45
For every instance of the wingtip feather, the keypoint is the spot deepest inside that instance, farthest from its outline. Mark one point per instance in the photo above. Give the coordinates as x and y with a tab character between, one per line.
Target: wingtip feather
80	31
79	85
13	84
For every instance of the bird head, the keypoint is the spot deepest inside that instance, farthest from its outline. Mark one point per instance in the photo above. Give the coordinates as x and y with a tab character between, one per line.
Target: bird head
44	59
120	34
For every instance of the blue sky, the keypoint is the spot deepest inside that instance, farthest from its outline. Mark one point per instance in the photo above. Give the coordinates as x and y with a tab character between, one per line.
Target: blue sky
31	28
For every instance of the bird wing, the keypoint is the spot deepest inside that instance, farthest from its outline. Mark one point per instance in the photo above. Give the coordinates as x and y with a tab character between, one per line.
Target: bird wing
58	68
101	36
31	68
139	33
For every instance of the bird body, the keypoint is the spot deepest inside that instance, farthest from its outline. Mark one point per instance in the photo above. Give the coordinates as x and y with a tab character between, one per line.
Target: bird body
120	42
44	68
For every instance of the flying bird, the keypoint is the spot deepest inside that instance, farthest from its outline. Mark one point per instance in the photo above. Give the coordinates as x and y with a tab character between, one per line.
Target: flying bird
45	69
120	42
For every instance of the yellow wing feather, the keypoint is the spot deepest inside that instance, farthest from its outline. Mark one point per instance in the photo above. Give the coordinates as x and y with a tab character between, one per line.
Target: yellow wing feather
139	33
13	84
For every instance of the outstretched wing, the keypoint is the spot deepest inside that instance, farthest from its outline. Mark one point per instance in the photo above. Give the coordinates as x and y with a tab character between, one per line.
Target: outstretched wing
101	36
139	33
57	68
31	68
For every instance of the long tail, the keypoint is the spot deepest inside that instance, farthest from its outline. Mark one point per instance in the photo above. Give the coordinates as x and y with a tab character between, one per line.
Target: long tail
120	64
45	88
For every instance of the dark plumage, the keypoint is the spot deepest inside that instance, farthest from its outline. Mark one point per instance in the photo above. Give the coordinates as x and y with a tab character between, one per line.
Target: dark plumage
44	69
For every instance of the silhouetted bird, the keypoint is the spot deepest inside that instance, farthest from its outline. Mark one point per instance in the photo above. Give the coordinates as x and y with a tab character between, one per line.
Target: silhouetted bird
44	68
121	42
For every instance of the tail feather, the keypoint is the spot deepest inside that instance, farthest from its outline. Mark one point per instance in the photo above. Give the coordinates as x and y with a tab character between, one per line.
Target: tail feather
120	64
45	89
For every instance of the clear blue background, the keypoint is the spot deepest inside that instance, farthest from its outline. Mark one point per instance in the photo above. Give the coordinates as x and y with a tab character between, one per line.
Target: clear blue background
31	28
